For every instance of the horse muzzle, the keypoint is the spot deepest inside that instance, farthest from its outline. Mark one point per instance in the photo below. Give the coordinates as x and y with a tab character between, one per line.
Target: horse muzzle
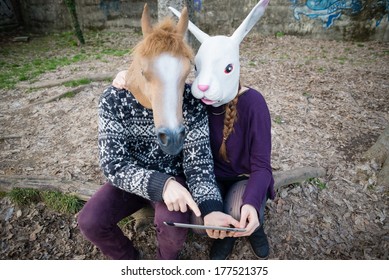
171	141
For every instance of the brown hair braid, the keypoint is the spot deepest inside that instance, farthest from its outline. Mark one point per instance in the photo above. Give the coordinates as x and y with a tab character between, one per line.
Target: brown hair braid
230	118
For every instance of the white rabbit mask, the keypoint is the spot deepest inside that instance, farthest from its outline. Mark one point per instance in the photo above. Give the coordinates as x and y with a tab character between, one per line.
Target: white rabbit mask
217	60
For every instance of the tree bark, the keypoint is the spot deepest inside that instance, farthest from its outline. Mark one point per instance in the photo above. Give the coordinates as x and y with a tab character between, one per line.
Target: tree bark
380	153
82	189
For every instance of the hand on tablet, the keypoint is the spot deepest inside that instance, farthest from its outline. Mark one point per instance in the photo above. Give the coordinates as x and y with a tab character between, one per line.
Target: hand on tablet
220	219
248	220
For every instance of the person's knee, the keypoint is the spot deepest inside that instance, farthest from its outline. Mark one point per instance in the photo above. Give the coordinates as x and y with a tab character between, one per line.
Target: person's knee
233	200
88	224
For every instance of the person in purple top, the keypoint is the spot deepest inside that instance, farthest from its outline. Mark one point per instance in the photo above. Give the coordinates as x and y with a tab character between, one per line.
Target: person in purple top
240	134
243	168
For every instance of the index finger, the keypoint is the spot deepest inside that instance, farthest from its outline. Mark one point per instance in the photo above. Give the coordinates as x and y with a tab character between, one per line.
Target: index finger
192	205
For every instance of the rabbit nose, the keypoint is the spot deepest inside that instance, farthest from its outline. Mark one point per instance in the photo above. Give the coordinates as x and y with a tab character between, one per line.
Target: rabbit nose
203	87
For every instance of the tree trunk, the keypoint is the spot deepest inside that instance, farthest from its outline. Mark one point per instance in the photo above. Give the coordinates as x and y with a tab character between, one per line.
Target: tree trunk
380	153
71	4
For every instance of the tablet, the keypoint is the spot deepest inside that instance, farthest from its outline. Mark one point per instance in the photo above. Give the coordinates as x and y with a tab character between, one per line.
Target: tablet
204	227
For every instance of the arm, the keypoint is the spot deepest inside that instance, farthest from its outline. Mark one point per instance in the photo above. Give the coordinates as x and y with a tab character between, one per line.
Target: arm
260	159
116	161
198	161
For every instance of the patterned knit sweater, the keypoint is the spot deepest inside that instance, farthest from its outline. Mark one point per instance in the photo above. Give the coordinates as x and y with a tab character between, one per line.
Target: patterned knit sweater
132	160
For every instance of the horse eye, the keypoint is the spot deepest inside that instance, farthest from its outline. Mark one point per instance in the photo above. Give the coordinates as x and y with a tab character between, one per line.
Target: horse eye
145	75
228	69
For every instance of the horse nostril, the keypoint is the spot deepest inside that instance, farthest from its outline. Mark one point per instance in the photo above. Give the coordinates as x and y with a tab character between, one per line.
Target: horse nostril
203	87
171	141
163	138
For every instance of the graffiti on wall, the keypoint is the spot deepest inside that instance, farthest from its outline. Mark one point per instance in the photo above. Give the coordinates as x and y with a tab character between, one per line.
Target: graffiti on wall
326	10
197	5
383	4
330	10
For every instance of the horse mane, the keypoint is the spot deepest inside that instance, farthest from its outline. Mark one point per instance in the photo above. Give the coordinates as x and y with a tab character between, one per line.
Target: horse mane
164	38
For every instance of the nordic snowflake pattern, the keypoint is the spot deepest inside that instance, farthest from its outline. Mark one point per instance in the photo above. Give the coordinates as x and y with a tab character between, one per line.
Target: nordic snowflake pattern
131	158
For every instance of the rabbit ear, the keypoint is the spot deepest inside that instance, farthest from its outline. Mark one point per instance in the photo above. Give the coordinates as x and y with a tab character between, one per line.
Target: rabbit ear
200	35
249	22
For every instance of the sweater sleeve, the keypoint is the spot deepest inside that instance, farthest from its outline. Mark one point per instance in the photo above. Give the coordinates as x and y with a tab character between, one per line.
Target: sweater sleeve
117	164
261	178
198	161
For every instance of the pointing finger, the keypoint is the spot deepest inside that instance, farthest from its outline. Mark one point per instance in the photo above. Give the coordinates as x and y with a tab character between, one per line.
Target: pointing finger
192	205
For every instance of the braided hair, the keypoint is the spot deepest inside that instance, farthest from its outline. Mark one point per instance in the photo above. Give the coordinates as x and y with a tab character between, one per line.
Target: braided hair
230	118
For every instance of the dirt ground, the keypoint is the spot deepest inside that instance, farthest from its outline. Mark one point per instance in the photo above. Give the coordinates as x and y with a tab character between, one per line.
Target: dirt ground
329	102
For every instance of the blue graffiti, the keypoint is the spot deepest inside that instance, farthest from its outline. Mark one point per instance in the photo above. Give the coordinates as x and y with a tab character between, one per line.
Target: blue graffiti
326	10
197	5
109	6
383	3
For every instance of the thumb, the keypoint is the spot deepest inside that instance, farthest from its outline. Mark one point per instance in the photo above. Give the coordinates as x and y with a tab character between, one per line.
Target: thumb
234	222
243	220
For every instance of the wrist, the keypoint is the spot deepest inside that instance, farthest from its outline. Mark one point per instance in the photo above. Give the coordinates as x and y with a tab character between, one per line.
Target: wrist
166	183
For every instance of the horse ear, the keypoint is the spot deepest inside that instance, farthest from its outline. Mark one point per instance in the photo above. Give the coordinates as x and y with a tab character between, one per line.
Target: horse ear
146	21
249	22
200	35
182	24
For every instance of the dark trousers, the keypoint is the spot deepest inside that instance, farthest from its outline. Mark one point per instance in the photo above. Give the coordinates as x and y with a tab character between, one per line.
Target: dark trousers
99	217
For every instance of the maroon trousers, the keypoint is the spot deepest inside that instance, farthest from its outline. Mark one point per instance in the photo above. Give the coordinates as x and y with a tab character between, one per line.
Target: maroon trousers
99	217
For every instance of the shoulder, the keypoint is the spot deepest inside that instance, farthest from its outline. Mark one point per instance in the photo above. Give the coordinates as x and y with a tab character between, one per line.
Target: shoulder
113	93
116	97
252	100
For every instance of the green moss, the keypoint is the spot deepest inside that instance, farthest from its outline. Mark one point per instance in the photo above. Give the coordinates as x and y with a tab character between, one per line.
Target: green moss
2	194
55	200
60	202
77	82
279	34
318	183
24	196
115	52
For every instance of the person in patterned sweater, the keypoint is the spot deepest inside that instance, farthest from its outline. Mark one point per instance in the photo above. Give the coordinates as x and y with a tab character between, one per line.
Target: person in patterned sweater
139	173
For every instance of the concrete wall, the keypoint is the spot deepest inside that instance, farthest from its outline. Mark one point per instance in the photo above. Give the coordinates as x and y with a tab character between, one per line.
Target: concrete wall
329	19
46	16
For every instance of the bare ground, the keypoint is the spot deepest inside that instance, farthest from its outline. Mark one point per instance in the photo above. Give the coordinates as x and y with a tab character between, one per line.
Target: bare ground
329	102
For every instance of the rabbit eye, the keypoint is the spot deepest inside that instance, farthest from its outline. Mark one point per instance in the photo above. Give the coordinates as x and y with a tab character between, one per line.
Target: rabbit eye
195	68
228	69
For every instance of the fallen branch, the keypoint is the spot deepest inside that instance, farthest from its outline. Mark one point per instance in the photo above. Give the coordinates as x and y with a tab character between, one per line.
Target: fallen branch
298	175
143	217
48	84
61	95
8	137
82	189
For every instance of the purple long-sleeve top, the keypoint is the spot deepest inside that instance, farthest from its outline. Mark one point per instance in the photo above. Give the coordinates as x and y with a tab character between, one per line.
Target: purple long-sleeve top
248	146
